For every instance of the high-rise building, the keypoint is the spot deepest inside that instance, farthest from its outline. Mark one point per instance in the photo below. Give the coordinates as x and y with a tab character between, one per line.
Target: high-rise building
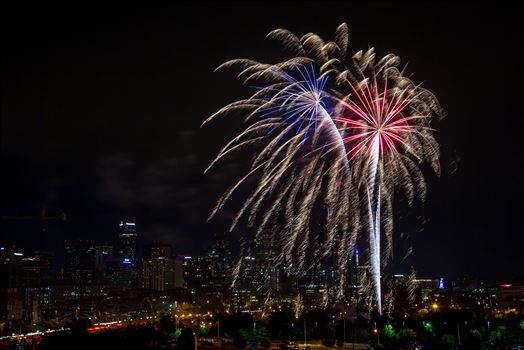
128	240
267	278
103	254
128	252
79	267
20	283
204	278
159	269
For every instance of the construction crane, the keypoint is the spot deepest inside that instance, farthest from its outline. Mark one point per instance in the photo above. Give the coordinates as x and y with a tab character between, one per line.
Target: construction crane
43	218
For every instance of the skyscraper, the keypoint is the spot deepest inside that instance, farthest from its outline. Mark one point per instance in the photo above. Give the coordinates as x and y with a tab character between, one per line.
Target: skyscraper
159	270
103	254
20	284
128	240
128	252
79	267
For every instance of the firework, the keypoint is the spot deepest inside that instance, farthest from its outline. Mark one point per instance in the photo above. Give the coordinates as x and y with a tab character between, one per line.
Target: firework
302	164
336	132
385	122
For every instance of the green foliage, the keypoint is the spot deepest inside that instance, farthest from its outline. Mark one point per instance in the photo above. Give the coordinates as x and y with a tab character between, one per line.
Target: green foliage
201	331
428	326
499	336
406	335
448	339
396	340
175	334
521	325
258	332
388	332
475	333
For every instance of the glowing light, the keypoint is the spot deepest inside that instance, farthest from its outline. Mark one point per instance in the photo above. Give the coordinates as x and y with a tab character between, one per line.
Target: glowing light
302	160
328	129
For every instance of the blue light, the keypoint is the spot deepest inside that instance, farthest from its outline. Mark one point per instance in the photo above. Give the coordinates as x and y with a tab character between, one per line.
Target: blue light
126	261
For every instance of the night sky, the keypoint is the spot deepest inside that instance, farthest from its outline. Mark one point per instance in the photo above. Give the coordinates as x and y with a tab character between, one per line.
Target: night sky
101	111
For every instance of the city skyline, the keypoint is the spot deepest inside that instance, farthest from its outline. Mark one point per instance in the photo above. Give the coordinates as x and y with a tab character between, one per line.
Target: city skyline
102	122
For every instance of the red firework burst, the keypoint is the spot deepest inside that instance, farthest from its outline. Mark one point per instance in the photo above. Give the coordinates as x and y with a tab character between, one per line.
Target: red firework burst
374	115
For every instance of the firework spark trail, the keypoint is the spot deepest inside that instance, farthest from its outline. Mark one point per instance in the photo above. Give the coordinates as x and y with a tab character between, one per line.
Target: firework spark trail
303	162
387	131
329	141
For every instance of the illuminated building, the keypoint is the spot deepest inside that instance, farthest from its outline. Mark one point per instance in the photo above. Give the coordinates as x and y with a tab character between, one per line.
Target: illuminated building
103	254
79	267
512	296
159	268
20	282
128	252
207	278
128	240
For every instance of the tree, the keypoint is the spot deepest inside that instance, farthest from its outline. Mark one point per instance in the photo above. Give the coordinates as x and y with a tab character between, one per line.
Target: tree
499	337
448	340
254	335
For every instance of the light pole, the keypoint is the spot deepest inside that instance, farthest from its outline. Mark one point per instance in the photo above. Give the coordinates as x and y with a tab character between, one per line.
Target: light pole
305	337
375	330
195	334
218	332
344	346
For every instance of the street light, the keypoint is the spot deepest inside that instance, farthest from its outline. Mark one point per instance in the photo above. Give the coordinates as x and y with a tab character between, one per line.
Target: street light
375	330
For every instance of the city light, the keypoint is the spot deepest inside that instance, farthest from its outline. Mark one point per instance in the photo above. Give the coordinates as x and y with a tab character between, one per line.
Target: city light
297	235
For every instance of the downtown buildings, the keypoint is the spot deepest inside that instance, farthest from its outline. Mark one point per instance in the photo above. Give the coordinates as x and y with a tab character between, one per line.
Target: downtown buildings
108	281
